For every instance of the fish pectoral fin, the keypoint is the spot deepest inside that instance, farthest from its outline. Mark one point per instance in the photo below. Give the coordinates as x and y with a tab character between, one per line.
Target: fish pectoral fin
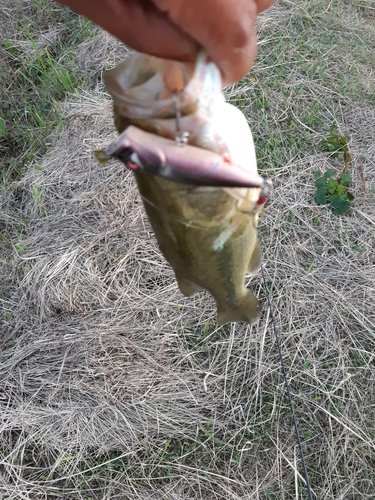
188	287
248	310
255	260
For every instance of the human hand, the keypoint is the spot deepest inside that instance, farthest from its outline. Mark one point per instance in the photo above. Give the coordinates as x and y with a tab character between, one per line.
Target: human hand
178	29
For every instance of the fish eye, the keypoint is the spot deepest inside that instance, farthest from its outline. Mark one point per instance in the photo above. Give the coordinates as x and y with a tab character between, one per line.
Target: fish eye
125	154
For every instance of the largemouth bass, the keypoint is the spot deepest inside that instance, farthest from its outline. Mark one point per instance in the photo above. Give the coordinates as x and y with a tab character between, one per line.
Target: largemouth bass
208	234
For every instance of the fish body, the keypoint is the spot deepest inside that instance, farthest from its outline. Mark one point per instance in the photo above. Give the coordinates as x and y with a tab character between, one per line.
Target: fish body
208	234
207	240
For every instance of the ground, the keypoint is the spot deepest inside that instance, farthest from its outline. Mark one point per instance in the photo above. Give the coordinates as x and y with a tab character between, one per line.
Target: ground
114	385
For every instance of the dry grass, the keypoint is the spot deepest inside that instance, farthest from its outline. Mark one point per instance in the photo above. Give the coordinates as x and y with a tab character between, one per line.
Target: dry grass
115	386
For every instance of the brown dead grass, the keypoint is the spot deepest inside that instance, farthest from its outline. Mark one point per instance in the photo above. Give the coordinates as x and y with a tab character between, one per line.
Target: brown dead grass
115	386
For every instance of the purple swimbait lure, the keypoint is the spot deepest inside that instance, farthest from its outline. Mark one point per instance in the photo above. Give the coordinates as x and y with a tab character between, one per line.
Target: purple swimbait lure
185	164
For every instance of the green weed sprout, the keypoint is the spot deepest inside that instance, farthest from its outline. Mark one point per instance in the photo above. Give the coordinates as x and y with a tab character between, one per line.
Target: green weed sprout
334	191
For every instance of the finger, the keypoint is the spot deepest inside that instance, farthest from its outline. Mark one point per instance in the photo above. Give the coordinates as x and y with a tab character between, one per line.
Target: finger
141	25
264	4
225	28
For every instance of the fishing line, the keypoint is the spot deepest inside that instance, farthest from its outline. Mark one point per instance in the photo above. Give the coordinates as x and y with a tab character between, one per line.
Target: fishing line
308	489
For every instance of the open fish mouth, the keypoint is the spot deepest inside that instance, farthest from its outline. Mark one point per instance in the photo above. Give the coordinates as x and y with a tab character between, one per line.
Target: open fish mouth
185	164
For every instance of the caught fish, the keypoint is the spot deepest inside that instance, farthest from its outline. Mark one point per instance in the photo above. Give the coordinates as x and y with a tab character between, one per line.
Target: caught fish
202	199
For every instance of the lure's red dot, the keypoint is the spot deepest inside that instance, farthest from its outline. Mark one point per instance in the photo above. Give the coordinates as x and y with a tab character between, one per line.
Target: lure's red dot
262	200
131	165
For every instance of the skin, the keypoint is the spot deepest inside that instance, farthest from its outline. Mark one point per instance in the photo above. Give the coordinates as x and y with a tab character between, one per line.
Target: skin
178	29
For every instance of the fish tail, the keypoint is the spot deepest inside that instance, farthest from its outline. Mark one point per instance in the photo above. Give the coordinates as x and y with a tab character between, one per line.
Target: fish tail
248	310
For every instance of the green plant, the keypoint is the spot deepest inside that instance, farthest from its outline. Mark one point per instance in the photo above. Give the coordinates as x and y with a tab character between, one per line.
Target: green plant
336	144
38	198
334	191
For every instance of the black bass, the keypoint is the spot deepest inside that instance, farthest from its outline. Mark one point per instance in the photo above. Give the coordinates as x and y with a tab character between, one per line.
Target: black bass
208	234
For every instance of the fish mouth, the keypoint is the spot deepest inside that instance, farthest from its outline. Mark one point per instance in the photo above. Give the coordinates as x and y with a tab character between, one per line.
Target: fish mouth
126	80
